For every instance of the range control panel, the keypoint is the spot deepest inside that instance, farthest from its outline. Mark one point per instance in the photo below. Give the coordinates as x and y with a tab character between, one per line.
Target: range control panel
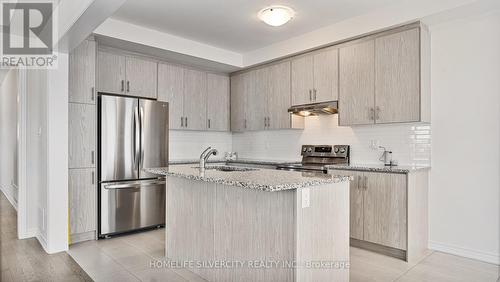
325	150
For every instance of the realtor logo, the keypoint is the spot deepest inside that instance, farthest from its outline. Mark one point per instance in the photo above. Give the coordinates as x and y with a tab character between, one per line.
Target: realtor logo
27	34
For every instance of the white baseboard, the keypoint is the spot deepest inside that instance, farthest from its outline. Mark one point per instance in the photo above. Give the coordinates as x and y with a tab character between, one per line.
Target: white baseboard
464	252
9	197
29	234
41	239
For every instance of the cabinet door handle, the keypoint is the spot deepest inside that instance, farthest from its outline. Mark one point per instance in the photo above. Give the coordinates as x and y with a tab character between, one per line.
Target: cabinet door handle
186	121
92	178
208	123
359	182
310	95
92	153
92	94
128	86
245	125
268	122
366	182
182	121
377	113
123	85
372	114
314	91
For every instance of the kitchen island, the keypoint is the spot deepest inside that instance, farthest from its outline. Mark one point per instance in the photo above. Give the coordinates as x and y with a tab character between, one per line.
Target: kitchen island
237	224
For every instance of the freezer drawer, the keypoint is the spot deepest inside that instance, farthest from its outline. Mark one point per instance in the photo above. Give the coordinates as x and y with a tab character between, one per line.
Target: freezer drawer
127	206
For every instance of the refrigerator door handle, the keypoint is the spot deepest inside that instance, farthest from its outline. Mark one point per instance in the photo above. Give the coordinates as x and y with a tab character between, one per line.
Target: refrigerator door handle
142	137
136	137
133	185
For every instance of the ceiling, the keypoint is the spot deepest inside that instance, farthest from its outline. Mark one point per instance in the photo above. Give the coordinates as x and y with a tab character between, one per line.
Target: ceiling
233	24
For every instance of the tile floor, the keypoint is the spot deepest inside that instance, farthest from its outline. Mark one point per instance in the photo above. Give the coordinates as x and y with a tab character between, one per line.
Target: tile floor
128	258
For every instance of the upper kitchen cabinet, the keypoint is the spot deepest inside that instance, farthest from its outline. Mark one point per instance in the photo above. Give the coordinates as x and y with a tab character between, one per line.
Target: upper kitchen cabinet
257	108
171	90
120	74
217	102
279	99
82	68
357	84
195	99
110	72
142	76
260	99
384	78
241	87
397	77
314	77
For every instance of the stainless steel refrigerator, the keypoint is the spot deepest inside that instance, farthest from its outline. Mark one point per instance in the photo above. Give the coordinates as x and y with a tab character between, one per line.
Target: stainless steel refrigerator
133	134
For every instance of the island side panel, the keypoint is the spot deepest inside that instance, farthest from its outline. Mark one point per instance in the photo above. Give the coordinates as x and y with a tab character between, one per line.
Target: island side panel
190	223
254	225
322	231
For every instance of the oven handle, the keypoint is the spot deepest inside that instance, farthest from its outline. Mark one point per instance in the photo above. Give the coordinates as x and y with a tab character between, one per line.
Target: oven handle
132	185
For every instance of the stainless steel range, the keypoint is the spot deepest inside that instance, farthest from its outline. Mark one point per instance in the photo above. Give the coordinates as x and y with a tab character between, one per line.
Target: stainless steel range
316	157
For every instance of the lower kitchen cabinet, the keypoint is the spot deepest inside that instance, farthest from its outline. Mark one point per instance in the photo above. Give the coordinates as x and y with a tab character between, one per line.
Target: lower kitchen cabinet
384	209
388	212
82	204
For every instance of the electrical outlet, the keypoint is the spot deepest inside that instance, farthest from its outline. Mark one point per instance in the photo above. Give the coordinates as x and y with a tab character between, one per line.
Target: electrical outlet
306	197
374	144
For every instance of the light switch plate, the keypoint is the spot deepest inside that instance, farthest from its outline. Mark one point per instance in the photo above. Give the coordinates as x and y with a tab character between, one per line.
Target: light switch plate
306	197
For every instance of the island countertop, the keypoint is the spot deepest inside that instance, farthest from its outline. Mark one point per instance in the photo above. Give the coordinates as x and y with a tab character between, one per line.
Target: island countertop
259	179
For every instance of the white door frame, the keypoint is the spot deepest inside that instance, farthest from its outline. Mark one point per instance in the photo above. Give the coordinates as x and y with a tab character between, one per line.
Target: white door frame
22	208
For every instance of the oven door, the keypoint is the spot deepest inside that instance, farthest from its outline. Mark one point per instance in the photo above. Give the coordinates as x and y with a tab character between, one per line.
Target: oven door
127	206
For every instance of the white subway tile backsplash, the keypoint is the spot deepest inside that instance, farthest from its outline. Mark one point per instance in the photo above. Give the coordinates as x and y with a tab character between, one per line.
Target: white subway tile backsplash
187	145
410	143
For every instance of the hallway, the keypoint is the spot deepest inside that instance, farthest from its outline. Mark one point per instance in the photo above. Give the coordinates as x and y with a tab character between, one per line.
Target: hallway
25	260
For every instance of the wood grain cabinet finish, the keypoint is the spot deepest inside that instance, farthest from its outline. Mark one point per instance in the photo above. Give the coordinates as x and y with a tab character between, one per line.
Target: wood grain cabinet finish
195	99
279	99
357	84
82	70
142	76
111	72
171	90
260	99
257	107
217	102
385	209
397	77
356	202
302	79
120	74
326	75
82	200
82	135
238	102
315	77
385	78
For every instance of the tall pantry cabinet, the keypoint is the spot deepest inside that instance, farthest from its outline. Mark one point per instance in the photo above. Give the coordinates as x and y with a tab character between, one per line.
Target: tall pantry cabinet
82	142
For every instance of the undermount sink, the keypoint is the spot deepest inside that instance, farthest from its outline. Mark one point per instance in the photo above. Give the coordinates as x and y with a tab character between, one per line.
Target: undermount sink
227	168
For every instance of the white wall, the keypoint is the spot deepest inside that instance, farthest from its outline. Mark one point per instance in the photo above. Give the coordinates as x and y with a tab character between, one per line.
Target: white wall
8	137
188	145
465	187
36	154
410	143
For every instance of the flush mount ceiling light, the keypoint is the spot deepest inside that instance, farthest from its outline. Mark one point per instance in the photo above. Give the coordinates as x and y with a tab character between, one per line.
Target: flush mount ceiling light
276	15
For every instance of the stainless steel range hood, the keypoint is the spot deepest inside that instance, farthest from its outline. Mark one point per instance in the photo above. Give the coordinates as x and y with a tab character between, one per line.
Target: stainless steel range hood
316	109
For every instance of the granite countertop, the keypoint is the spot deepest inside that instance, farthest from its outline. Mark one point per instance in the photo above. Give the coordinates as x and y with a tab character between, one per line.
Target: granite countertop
238	161
259	179
379	168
